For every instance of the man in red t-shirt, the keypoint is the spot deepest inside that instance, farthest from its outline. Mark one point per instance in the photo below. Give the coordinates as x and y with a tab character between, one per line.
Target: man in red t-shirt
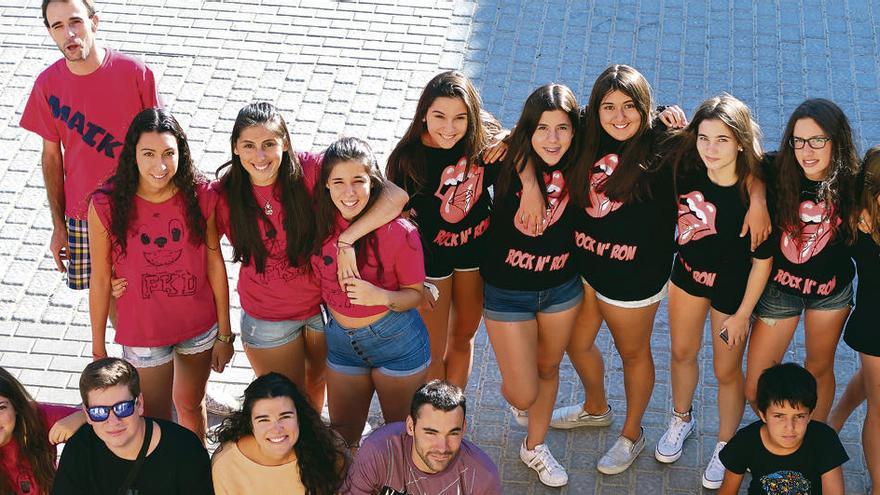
425	455
81	106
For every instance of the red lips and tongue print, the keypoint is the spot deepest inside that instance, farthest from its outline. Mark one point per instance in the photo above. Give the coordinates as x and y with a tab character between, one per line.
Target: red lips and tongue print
457	193
696	217
600	204
556	196
817	231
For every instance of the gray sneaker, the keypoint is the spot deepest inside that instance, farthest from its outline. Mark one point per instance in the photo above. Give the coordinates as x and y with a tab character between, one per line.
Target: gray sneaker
220	403
714	475
621	455
566	418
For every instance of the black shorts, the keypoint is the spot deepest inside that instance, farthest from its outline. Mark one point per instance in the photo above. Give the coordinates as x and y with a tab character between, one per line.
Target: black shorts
862	333
724	290
441	261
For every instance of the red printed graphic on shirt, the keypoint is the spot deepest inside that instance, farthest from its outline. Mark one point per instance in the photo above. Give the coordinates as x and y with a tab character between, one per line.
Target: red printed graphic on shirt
457	193
162	245
600	204
696	217
816	232
557	197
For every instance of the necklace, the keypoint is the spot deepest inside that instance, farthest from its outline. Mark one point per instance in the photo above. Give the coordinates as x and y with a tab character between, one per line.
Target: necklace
267	206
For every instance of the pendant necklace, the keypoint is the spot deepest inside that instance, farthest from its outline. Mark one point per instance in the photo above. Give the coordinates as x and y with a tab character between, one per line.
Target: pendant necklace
267	206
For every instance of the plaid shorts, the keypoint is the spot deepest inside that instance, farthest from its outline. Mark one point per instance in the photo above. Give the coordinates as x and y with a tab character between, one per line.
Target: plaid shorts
79	265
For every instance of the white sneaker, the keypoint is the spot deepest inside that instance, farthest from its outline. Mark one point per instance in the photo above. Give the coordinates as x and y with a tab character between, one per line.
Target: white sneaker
566	418
714	474
521	417
220	403
621	455
550	472
670	445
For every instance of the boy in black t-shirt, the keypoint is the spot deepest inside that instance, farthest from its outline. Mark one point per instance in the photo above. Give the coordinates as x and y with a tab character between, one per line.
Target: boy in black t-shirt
787	452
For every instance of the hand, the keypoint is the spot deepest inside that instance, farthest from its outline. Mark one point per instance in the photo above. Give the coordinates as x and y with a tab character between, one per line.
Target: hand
221	354
757	223
737	330
429	302
363	293
59	247
865	222
65	427
673	117
99	351
346	262
495	152
117	287
532	215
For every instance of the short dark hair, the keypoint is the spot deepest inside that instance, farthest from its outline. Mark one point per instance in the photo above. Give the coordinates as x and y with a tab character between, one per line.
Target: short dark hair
440	395
786	382
108	372
89	4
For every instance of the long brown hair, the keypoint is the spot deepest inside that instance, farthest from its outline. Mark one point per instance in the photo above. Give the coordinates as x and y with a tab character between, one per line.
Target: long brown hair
628	182
838	189
406	163
245	213
547	98
737	117
31	434
869	193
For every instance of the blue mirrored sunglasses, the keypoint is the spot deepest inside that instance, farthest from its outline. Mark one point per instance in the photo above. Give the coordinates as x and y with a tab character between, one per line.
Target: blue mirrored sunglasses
122	410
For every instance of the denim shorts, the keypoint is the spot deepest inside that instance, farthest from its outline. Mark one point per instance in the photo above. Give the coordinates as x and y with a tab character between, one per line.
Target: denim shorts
523	305
150	357
396	345
777	305
263	334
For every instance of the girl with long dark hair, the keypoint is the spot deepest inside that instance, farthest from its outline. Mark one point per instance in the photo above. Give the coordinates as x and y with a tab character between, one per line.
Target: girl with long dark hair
531	292
815	175
265	209
29	432
376	340
153	224
276	441
714	272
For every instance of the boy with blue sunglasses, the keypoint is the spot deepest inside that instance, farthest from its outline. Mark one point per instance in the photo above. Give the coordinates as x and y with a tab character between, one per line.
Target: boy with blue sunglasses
120	451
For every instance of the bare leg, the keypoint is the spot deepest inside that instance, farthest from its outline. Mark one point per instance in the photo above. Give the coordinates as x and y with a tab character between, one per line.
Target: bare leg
823	330
731	382
156	384
687	318
852	398
437	322
287	359
316	366
191	373
767	344
349	397
871	430
467	309
631	329
585	356
514	343
396	392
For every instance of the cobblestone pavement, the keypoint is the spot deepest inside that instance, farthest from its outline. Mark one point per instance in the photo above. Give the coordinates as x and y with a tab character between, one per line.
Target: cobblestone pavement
357	67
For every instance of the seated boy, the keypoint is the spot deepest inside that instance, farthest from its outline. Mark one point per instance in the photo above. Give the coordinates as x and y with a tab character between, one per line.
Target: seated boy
785	451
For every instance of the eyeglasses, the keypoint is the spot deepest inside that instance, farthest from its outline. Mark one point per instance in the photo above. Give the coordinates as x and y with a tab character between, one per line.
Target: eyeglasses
817	143
122	410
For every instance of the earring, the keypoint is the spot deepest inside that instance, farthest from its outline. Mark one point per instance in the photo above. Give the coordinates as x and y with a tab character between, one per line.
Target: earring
740	148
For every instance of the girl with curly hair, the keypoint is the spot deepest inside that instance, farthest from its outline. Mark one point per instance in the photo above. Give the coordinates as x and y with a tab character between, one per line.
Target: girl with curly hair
153	224
276	440
815	176
265	210
29	432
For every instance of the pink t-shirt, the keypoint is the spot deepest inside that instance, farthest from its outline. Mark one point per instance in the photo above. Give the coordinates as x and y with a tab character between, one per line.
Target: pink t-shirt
281	292
168	298
17	469
89	115
399	253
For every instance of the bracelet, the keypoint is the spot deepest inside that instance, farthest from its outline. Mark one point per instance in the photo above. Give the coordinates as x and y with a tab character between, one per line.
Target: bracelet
340	245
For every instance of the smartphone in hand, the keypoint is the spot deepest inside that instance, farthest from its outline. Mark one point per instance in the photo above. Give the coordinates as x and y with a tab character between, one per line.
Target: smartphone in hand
723	335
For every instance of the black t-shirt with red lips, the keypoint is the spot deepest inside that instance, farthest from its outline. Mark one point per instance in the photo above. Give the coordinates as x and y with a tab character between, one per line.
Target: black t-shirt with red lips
815	263
517	261
625	251
710	218
451	209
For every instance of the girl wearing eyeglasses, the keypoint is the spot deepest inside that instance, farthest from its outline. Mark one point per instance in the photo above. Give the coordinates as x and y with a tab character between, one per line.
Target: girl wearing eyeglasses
152	224
815	176
29	432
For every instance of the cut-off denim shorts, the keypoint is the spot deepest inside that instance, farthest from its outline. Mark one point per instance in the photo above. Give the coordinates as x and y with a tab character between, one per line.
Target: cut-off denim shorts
777	305
150	357
396	345
264	334
524	305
